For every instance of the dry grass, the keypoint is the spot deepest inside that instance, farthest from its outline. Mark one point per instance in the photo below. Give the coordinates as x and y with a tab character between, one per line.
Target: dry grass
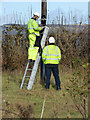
23	103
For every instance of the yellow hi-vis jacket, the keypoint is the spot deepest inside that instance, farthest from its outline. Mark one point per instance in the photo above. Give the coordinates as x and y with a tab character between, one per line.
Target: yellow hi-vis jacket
33	29
51	54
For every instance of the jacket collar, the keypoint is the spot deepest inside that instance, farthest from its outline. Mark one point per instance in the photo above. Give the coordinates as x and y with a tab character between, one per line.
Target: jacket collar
33	18
51	44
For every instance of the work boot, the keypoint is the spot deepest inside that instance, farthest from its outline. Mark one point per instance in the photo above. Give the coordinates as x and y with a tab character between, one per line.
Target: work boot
31	60
58	88
46	88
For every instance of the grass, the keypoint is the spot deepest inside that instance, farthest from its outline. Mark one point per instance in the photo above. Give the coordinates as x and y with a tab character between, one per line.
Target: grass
15	102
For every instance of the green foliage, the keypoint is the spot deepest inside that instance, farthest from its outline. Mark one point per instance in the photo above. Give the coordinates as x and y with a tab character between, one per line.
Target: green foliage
73	44
14	48
78	89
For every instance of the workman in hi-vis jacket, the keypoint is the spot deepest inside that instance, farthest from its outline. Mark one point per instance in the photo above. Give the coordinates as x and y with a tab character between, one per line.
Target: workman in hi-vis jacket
51	56
34	36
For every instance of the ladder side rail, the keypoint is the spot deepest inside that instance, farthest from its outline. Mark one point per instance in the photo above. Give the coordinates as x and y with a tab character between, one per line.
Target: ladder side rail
44	36
34	71
24	75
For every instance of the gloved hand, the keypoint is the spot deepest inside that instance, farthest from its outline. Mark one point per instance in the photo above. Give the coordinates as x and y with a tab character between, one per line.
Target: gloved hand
43	27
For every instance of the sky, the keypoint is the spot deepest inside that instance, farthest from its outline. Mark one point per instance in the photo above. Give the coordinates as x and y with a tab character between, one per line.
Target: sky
20	10
47	0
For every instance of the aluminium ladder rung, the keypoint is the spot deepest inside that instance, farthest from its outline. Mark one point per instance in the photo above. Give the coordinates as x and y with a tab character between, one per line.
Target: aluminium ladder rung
29	69
25	84
27	76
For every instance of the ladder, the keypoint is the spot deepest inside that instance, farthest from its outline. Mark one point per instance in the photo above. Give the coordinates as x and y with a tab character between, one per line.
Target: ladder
36	63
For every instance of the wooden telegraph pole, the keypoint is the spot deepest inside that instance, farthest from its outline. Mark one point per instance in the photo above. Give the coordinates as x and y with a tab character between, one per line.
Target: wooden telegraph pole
43	23
88	55
43	12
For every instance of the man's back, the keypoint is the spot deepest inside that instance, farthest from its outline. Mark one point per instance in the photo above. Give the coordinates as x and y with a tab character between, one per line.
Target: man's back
51	54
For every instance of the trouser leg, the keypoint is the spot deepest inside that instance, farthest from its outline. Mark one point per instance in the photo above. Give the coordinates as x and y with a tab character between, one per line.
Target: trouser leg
48	76
38	43
33	50
32	53
56	76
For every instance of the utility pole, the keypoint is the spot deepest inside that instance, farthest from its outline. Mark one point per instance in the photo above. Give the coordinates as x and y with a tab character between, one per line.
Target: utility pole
43	12
88	55
43	23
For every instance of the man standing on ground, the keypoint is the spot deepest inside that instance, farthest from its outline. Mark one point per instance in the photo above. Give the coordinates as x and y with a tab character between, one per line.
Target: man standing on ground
51	56
34	36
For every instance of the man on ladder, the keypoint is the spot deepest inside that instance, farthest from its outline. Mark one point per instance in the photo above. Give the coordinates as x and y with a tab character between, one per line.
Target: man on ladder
34	52
34	36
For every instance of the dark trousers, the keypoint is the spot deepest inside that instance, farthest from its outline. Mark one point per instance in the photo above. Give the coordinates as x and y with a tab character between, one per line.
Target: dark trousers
54	69
38	43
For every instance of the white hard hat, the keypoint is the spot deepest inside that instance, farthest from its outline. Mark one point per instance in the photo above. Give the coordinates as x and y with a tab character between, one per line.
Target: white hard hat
51	40
37	14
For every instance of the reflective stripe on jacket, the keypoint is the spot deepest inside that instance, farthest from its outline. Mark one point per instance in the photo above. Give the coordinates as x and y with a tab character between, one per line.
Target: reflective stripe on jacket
33	27
51	54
